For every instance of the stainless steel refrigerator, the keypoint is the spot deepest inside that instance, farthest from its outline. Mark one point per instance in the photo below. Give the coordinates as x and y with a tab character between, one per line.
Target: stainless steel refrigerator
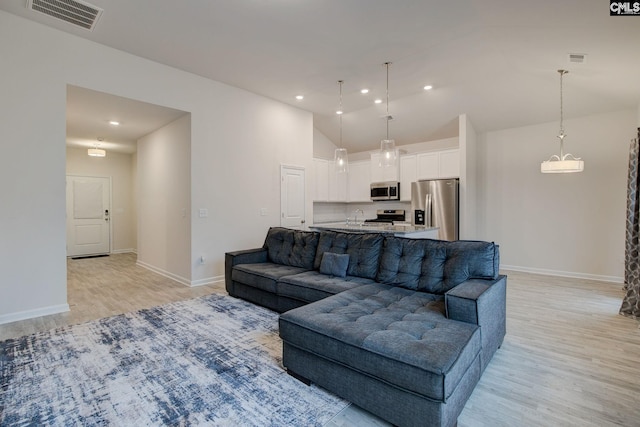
435	203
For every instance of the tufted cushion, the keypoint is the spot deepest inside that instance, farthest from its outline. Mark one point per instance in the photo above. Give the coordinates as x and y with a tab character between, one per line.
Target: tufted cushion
295	248
312	286
363	248
436	266
394	334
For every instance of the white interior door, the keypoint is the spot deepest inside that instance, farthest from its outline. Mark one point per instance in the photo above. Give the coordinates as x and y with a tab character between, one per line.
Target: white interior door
292	196
88	215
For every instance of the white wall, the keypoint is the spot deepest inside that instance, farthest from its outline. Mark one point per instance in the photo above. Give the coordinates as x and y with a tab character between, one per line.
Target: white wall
323	147
557	223
118	167
238	142
164	200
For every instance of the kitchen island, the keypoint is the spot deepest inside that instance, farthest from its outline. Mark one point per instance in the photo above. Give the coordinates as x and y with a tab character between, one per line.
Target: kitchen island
406	231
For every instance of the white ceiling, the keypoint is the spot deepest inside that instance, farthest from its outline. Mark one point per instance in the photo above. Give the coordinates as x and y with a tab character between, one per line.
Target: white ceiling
495	60
89	113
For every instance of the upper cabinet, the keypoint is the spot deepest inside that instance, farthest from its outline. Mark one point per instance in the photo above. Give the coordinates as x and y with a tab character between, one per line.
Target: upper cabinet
449	164
438	164
337	185
408	174
359	181
321	176
427	165
384	173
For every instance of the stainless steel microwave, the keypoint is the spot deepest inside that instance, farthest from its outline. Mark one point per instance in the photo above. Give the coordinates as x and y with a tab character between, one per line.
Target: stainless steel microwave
389	190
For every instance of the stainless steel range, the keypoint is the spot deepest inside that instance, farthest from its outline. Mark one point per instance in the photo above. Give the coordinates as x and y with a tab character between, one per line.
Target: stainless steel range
387	216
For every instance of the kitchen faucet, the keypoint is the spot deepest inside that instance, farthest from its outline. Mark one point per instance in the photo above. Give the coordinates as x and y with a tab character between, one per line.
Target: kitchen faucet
355	218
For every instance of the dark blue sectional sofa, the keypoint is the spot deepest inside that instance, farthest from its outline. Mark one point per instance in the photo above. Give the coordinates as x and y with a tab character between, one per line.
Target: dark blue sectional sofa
403	328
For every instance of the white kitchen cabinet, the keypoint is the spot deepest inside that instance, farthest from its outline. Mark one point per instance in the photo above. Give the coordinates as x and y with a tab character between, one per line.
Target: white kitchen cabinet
384	173
337	185
427	165
438	164
408	174
321	176
359	181
449	164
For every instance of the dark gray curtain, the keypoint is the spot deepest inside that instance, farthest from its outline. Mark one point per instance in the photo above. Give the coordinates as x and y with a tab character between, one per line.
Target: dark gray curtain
631	303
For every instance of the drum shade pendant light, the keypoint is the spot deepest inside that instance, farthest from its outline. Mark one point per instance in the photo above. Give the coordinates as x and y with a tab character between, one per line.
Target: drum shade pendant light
341	158
564	163
388	154
95	151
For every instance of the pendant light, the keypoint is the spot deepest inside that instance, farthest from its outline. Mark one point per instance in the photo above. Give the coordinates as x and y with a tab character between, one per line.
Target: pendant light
388	154
564	163
341	158
95	151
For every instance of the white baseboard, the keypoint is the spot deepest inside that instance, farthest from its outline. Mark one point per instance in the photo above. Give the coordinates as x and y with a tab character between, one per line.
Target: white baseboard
30	314
164	273
208	281
600	278
124	251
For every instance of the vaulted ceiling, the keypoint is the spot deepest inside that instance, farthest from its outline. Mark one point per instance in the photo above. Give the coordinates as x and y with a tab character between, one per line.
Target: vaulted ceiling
495	60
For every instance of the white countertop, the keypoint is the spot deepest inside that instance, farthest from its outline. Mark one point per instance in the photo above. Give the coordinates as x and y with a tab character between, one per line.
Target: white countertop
398	229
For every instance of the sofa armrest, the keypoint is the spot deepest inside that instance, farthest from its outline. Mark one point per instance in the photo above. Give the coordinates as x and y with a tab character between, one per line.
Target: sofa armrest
247	256
484	303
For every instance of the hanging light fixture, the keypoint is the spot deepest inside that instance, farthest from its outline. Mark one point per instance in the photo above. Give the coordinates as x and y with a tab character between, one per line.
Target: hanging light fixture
564	163
388	154
95	151
341	158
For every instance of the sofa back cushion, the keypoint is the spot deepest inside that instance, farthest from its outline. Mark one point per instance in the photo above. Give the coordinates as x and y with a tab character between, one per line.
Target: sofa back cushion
363	248
435	266
294	248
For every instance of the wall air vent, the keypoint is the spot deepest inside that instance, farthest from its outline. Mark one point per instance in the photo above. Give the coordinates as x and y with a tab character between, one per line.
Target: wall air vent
76	12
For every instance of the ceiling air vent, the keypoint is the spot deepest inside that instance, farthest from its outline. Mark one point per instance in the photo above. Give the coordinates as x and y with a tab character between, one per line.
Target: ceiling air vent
78	13
577	58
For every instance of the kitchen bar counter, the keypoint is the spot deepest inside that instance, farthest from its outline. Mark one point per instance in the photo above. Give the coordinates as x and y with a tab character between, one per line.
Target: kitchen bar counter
407	231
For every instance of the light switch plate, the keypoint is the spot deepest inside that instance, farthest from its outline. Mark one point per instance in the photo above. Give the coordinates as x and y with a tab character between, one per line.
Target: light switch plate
203	213
263	211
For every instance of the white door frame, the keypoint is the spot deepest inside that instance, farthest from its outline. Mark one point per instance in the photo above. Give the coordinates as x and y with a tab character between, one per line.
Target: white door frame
110	204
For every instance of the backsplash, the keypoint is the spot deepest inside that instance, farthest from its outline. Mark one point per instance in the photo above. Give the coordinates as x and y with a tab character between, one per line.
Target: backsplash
339	212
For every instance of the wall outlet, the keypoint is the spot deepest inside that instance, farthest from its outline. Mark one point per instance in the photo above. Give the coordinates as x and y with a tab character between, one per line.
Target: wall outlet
203	213
263	212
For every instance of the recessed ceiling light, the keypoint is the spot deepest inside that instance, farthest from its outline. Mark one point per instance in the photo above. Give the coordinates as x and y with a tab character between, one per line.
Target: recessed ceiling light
299	97
428	87
339	112
378	101
114	123
364	91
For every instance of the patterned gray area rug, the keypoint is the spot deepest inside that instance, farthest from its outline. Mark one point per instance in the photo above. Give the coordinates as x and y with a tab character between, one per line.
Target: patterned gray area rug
213	360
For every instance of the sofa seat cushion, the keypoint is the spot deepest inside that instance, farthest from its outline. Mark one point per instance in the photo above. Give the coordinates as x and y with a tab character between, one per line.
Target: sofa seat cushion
262	275
312	286
390	333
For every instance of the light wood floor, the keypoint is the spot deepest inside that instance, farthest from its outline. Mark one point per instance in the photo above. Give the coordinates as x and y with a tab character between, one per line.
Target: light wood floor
568	358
